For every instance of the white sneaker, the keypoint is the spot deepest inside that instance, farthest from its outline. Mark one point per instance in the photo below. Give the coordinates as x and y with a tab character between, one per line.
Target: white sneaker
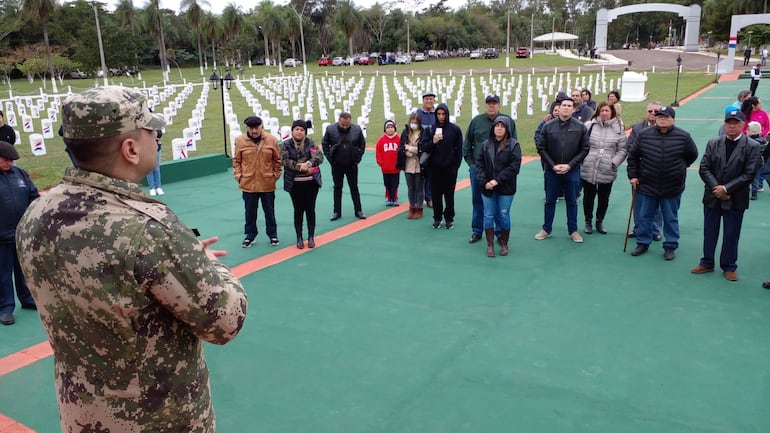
160	191
153	192
542	234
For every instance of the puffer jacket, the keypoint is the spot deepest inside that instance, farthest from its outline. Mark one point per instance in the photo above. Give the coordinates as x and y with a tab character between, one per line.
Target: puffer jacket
502	166
257	163
609	147
660	161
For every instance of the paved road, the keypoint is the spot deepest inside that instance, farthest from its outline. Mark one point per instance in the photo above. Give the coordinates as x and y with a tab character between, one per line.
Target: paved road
665	59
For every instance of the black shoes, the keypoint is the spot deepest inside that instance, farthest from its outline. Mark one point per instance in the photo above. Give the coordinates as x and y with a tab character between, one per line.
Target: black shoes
247	243
335	216
7	319
450	225
766	285
640	249
29	307
360	215
600	228
311	242
436	224
588	229
668	254
300	242
475	237
274	242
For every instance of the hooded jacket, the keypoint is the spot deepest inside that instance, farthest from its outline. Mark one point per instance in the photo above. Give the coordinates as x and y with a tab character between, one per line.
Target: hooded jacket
608	150
448	152
500	165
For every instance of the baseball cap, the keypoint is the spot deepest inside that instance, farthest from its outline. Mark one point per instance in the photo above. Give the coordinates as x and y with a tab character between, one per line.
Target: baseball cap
492	98
106	112
7	151
252	121
429	93
734	114
666	111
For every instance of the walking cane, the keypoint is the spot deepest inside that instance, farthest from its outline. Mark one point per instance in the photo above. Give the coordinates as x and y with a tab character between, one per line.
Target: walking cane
630	212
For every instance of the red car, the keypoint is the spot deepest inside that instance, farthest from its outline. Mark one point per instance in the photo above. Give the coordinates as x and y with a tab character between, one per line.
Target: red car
325	61
522	52
363	61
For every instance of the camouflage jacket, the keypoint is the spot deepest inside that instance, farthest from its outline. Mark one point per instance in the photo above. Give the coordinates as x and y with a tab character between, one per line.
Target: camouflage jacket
126	295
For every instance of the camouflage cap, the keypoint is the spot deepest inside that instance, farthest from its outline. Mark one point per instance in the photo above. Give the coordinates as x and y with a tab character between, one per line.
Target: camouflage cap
106	112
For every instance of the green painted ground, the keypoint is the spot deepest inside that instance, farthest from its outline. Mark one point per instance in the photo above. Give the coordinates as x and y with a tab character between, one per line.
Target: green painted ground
402	328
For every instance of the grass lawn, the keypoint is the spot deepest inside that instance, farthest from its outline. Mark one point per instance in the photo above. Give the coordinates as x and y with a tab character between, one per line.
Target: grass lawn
47	170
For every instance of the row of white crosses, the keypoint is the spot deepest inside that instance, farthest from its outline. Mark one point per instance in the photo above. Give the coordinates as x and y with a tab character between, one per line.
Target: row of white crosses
30	108
181	146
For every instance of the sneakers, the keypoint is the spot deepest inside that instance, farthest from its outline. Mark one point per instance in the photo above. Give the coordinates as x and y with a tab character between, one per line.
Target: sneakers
700	269
274	242
160	191
542	234
247	243
761	189
640	249
153	192
575	236
450	225
436	224
668	254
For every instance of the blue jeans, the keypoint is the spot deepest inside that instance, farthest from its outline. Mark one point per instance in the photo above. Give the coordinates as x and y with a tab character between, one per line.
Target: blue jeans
153	179
251	204
657	221
669	207
763	171
497	209
555	184
477	218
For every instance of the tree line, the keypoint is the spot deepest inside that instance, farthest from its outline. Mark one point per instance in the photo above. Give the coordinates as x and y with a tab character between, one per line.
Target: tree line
48	38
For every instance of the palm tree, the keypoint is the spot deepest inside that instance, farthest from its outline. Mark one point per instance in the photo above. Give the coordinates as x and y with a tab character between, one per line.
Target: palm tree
232	21
274	26
39	11
211	29
194	15
126	14
153	24
349	20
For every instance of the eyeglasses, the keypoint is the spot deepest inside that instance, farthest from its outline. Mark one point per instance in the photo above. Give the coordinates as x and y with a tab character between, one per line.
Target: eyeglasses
652	111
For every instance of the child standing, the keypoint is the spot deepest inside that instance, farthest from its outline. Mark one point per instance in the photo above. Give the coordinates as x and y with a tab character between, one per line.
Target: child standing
387	154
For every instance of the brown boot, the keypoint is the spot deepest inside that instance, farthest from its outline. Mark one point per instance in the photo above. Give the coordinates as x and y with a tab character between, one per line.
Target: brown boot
410	216
490	242
417	213
504	234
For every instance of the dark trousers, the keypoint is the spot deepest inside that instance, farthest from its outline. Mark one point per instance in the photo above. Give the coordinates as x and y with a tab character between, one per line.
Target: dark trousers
426	185
10	275
391	186
733	220
442	182
753	87
590	192
251	204
338	175
555	184
303	196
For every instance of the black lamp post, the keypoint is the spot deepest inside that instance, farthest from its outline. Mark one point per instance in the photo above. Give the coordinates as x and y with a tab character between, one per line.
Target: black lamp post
676	92
222	82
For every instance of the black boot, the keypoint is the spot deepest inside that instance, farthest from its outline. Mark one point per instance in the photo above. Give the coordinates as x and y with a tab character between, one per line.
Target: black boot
490	242
600	227
588	229
300	241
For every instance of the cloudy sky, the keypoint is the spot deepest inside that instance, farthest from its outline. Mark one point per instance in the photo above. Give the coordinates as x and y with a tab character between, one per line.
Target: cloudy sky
217	5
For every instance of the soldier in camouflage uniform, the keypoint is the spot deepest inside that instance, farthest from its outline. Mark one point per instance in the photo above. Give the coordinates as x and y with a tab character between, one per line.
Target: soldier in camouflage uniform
125	291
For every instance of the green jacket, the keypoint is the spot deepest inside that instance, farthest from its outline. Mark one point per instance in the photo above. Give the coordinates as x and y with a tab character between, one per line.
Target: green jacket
478	133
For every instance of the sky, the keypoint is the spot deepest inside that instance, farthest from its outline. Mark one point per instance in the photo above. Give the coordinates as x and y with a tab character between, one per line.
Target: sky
217	6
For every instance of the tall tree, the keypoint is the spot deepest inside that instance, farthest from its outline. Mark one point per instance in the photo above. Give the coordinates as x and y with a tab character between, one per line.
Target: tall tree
211	28
39	11
349	21
194	15
153	24
232	21
126	15
10	19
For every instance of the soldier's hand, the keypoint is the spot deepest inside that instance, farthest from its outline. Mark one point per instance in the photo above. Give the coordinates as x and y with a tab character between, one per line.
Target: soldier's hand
212	254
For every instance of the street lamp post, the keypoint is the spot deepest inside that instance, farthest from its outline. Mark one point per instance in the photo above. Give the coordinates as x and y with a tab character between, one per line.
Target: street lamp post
508	42
101	47
302	37
750	32
676	92
222	82
408	51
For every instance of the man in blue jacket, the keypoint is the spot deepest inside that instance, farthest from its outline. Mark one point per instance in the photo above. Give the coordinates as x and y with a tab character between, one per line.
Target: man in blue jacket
16	193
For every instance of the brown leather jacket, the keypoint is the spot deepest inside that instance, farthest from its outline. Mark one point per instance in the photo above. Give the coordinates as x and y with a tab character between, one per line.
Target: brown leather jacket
257	166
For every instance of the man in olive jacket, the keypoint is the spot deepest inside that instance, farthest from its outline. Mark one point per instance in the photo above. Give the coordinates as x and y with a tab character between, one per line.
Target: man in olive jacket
344	145
657	170
727	168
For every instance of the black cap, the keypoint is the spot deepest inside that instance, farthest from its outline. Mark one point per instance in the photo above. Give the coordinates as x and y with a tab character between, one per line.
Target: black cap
734	114
389	122
7	151
252	121
299	122
492	98
666	111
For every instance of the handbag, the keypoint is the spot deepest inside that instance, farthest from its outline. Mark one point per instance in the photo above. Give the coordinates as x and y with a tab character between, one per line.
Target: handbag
424	159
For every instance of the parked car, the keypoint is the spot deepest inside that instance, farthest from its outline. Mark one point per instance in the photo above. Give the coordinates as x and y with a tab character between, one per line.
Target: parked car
403	60
292	63
338	61
419	57
364	60
475	54
491	53
522	52
325	61
78	74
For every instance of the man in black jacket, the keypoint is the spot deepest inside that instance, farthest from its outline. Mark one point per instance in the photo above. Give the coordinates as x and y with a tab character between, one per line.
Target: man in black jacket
446	152
657	169
727	168
562	146
343	146
657	222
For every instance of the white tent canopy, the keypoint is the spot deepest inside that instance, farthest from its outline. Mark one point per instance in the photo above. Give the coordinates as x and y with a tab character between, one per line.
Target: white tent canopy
556	37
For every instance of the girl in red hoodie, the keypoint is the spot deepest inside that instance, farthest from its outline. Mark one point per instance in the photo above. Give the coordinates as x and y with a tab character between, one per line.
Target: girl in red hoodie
387	153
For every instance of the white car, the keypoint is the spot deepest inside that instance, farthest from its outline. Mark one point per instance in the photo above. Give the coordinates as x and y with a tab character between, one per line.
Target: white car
419	57
475	54
338	61
292	63
403	60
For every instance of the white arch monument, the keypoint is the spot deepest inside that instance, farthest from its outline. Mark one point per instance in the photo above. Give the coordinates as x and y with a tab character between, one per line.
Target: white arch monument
691	14
738	22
